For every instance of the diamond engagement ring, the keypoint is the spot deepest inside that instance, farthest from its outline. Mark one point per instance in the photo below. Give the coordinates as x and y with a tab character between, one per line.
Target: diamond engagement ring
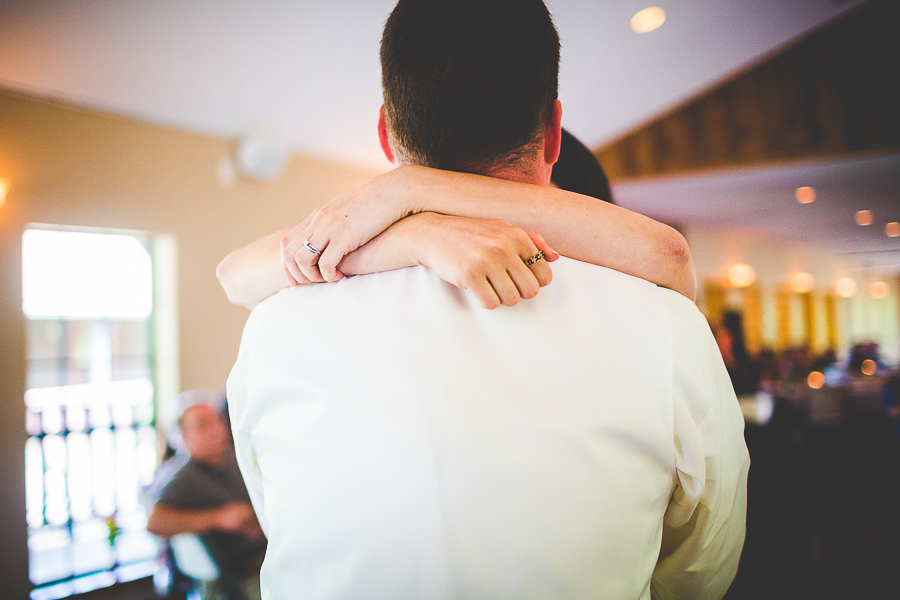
318	252
534	259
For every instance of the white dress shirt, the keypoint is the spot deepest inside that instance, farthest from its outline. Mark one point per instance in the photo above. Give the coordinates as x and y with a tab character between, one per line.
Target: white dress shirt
401	442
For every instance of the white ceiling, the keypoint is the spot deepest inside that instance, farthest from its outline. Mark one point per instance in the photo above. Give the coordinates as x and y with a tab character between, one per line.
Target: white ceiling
307	73
761	200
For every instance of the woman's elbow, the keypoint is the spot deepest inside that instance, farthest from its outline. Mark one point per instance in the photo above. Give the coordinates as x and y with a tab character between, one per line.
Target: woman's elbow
674	246
684	275
225	275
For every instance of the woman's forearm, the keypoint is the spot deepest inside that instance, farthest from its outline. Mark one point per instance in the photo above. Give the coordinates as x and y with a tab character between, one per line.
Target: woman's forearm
400	245
484	256
577	226
254	272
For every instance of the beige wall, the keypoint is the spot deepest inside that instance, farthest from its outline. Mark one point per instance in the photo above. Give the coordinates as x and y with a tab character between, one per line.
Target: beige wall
77	168
69	166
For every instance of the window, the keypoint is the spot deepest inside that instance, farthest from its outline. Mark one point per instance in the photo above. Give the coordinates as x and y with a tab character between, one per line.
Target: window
92	445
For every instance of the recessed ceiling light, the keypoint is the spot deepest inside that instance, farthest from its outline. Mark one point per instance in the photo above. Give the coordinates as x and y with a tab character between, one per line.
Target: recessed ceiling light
864	217
740	275
805	194
845	287
802	282
878	290
892	229
648	19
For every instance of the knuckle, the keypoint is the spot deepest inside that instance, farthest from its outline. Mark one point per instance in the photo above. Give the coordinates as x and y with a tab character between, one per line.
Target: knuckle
475	270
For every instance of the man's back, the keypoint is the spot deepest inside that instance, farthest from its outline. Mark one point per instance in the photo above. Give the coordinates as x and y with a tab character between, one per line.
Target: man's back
399	441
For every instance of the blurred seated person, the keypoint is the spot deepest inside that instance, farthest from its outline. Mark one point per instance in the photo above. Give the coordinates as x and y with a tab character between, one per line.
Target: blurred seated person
865	360
207	497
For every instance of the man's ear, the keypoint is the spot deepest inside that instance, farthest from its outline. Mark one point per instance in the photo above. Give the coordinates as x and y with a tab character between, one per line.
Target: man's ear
383	136
553	137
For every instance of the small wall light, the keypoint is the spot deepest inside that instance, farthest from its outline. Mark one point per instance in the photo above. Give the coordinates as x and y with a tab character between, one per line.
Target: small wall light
845	287
802	282
741	275
878	290
4	188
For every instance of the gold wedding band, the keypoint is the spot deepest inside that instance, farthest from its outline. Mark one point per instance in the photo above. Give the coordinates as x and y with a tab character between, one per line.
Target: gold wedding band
535	258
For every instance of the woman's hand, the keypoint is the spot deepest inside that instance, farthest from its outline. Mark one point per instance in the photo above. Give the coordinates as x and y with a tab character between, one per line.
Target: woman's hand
484	256
342	225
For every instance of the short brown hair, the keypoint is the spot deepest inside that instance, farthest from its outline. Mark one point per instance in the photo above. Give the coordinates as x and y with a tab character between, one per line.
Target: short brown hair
469	85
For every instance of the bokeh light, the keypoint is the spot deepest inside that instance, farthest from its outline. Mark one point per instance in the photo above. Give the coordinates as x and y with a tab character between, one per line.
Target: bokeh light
741	275
802	282
4	189
878	290
815	380
648	20
845	287
869	367
864	218
892	229
805	194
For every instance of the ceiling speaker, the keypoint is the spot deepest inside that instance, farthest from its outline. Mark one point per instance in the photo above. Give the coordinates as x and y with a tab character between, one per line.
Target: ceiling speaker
260	158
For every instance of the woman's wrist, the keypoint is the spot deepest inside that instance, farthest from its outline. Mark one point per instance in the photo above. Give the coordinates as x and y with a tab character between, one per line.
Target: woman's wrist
423	228
411	188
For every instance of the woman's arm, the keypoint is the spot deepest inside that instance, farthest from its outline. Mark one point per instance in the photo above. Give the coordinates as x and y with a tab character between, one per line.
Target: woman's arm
578	226
254	272
484	256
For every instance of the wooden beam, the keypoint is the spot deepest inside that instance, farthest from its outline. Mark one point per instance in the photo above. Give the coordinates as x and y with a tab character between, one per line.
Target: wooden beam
835	92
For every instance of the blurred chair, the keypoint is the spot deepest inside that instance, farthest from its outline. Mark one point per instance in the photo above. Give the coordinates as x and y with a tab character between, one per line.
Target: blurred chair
193	570
864	395
192	557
